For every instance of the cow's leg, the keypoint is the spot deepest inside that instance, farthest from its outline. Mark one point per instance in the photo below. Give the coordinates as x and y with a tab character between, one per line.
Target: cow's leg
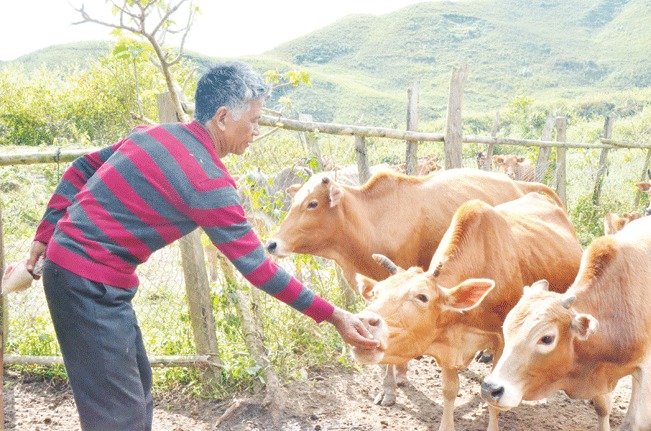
493	419
602	405
401	373
387	394
638	416
450	383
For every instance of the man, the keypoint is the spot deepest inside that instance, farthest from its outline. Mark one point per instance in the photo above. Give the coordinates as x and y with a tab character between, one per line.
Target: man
115	207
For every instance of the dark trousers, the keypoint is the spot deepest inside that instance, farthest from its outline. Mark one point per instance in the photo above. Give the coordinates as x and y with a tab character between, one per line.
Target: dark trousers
102	350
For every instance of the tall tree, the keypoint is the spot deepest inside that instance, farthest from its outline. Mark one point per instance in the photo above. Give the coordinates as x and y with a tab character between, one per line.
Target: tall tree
152	20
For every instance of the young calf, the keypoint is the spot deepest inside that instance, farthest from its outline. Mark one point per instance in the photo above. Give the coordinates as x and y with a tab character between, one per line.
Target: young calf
583	342
517	167
434	312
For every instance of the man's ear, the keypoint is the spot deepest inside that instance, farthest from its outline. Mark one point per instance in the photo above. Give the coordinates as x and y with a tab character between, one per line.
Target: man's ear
220	117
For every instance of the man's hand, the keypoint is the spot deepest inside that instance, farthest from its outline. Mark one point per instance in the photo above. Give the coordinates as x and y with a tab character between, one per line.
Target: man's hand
37	250
352	330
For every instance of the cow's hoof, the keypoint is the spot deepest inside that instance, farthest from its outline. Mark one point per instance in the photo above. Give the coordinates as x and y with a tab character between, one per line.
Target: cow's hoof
484	357
384	399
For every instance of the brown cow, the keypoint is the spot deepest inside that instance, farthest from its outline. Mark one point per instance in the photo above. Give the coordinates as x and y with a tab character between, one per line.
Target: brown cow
402	217
487	251
583	342
613	223
646	188
517	167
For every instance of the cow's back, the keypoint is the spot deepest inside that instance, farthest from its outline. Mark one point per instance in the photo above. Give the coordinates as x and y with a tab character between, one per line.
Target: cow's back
451	188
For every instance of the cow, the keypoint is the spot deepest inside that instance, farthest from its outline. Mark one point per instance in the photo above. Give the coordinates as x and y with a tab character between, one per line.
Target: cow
613	223
488	252
584	341
424	166
402	217
517	167
646	188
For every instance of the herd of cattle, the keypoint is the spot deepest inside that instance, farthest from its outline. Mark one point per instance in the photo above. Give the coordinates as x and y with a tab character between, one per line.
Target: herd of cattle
464	261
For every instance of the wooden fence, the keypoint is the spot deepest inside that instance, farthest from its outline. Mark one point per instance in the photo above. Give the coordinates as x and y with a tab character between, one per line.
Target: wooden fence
452	139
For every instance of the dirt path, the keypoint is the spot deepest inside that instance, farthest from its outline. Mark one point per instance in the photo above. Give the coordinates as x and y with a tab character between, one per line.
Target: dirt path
330	399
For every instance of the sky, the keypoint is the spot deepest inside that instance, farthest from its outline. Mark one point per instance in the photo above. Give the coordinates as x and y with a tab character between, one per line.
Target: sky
229	28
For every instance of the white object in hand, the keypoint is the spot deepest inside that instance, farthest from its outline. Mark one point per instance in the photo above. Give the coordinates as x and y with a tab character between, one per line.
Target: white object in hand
17	278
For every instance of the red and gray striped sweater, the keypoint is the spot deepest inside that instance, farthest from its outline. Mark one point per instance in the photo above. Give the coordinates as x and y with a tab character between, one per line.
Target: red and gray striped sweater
113	208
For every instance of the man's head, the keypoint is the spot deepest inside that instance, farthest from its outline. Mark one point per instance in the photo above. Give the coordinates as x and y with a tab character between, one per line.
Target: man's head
228	102
232	85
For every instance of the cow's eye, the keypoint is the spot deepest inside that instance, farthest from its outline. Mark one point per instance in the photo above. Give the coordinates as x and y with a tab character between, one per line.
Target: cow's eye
546	340
422	298
312	205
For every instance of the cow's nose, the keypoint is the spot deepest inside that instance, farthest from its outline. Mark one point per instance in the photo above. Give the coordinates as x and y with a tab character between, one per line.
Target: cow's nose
491	391
271	246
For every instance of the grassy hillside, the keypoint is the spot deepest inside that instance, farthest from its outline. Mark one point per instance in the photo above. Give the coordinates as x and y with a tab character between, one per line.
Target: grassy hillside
361	65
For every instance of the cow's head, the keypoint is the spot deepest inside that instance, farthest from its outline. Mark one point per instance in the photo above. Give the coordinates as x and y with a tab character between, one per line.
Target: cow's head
407	309
314	217
613	223
509	163
646	188
539	334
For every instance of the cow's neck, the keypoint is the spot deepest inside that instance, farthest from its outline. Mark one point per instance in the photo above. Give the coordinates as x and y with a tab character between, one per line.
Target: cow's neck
371	223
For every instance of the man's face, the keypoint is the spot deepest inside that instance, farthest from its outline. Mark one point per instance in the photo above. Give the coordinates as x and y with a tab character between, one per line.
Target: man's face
238	134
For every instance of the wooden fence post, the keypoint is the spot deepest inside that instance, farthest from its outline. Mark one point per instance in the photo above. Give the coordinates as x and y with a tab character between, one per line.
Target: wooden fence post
2	326
544	152
454	124
363	170
411	158
561	160
603	161
644	177
195	274
311	142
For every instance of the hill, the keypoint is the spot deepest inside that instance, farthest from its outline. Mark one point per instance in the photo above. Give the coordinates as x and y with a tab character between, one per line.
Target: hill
362	65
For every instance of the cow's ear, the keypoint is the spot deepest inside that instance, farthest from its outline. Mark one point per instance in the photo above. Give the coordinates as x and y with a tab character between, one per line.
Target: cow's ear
609	223
466	295
291	190
336	194
538	286
584	325
498	159
365	286
520	159
644	186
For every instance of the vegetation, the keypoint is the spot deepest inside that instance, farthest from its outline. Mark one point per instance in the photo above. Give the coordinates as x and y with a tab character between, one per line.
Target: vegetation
527	59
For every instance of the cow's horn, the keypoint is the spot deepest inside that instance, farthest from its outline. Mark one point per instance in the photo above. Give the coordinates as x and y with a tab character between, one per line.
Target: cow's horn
386	262
568	300
437	270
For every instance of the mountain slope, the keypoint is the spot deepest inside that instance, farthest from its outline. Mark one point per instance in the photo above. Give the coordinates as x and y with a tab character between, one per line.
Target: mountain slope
362	65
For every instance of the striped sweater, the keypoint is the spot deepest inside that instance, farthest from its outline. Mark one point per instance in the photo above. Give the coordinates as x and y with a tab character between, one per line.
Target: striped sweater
113	208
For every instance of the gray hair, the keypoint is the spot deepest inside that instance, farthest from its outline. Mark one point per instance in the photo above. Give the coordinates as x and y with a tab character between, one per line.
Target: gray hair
233	85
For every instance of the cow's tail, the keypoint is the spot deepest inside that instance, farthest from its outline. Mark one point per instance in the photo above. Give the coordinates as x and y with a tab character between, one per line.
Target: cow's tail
542	188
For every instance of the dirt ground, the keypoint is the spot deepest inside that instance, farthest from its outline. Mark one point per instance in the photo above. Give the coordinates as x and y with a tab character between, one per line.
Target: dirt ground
331	398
